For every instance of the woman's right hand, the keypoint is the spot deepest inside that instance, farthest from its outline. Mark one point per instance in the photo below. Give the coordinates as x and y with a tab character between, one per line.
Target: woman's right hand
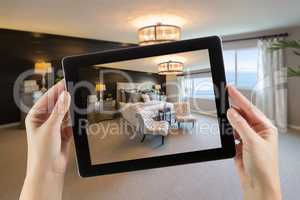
257	153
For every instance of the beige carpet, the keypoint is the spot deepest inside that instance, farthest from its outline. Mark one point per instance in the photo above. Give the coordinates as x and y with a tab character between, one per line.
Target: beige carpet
211	180
109	141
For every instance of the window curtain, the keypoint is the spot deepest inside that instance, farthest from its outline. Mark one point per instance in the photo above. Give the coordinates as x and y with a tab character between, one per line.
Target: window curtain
182	88
271	88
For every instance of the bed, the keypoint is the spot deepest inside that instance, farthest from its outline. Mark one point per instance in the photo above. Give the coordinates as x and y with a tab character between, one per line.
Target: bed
129	107
129	111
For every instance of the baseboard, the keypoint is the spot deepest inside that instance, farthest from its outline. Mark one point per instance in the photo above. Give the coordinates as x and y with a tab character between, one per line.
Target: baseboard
294	127
10	125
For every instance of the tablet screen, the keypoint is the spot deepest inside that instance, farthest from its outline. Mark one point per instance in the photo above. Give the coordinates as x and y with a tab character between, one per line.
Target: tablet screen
149	107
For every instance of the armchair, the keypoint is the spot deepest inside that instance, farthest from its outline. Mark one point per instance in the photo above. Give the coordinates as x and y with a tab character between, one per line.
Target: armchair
183	113
148	126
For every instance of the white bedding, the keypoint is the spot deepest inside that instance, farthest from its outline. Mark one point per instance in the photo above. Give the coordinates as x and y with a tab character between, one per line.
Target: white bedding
129	110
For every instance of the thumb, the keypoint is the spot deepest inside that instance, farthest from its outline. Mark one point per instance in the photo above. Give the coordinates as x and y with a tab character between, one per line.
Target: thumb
60	109
239	123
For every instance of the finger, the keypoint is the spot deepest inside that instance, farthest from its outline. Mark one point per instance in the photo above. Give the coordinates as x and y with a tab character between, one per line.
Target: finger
66	133
60	109
67	121
249	111
246	133
237	138
46	103
65	141
240	169
236	135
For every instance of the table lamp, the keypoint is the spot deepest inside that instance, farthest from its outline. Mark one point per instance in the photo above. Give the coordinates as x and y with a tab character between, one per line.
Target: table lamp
157	88
43	68
100	87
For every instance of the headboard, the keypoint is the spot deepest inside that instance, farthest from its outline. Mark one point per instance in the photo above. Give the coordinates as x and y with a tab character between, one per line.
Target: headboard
133	86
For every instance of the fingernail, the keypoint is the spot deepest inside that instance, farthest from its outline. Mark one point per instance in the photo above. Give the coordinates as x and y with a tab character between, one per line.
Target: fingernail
62	97
232	112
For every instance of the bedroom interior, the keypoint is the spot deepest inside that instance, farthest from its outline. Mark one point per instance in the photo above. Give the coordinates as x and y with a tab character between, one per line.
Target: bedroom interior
135	108
155	102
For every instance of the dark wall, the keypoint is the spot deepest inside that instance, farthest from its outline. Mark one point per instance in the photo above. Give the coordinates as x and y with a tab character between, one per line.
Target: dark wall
19	50
111	78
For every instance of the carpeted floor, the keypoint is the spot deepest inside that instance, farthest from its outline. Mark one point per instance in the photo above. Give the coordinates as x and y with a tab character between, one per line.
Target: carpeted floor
111	143
211	180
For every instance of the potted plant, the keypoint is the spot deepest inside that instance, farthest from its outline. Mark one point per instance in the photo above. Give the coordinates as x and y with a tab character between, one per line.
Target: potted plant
294	45
109	97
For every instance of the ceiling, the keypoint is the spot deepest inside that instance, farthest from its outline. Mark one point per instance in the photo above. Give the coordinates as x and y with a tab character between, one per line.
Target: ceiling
119	20
192	61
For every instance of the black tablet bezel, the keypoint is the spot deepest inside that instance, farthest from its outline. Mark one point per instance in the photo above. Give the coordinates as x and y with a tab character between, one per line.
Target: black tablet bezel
213	44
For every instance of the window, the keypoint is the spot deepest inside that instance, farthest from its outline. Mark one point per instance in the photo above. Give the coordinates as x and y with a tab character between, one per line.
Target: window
203	88
240	70
241	67
199	87
229	62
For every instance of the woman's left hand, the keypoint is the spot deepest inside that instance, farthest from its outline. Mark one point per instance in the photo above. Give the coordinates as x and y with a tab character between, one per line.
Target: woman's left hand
48	145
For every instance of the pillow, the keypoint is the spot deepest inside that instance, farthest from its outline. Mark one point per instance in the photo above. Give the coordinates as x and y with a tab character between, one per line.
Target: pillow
122	105
133	97
145	97
153	96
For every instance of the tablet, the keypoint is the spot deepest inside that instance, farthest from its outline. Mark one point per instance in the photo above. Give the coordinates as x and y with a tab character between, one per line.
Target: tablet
150	106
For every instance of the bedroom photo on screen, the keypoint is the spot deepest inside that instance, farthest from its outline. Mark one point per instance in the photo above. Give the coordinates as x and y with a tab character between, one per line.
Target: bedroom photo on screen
149	107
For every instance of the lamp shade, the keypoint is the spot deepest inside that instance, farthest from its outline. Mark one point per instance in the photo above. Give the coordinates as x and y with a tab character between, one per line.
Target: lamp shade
100	87
170	67
158	33
42	67
157	87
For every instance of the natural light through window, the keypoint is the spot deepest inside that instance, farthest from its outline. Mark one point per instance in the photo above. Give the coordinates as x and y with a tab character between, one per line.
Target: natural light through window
241	67
199	87
229	62
203	88
246	68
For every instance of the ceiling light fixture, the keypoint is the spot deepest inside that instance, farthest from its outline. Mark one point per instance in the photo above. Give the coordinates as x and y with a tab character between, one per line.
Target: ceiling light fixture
158	33
170	68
